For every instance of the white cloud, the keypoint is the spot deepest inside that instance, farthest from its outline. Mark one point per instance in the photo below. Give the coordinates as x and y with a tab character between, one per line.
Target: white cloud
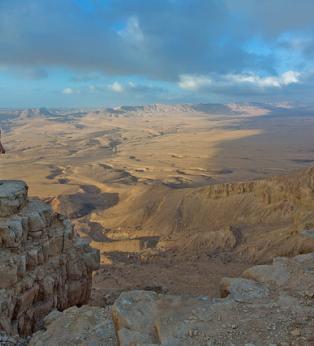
70	91
289	77
116	87
194	82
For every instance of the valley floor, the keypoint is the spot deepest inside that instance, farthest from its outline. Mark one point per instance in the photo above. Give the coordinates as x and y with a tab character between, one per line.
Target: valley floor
149	188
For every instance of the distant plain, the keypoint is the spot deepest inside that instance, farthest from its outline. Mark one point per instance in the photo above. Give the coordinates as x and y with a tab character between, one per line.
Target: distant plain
122	175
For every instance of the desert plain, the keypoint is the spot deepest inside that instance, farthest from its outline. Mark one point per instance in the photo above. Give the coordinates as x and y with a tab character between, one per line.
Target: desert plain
168	193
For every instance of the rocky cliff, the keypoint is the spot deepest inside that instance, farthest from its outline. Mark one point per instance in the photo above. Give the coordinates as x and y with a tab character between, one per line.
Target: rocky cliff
270	305
297	186
44	265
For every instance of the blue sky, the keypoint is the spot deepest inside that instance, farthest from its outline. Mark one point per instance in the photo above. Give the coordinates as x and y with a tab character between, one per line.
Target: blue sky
113	52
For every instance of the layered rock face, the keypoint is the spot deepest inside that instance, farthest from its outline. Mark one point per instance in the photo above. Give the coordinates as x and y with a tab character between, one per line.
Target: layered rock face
44	265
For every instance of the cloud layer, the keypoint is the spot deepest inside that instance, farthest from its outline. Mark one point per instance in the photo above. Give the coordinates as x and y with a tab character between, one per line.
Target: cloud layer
189	46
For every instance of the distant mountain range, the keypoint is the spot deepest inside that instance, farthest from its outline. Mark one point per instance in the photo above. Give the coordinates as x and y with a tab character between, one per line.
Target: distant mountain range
232	109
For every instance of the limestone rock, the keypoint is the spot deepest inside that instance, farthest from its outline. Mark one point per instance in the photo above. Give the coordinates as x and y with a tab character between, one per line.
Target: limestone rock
13	196
273	305
243	290
87	325
44	265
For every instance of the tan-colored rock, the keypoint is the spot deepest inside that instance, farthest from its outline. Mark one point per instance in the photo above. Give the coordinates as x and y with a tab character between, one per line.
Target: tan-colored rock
262	309
44	265
87	325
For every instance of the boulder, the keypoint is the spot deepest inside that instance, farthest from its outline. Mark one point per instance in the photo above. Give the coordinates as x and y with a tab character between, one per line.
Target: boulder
87	325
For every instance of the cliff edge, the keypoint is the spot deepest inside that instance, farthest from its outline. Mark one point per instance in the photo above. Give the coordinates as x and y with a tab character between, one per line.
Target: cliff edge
44	265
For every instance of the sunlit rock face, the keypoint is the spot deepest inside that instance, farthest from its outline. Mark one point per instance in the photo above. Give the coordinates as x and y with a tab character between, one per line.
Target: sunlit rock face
44	265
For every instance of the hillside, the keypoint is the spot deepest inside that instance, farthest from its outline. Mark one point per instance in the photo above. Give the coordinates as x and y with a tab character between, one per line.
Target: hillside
257	220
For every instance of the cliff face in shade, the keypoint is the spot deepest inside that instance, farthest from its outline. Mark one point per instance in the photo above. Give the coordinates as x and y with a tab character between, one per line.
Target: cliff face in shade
44	265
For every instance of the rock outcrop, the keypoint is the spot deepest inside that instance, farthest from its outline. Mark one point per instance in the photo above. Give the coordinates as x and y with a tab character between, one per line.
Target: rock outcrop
88	325
271	305
44	265
294	187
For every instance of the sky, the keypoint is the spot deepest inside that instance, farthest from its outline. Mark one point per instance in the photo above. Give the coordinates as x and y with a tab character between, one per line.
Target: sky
91	53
